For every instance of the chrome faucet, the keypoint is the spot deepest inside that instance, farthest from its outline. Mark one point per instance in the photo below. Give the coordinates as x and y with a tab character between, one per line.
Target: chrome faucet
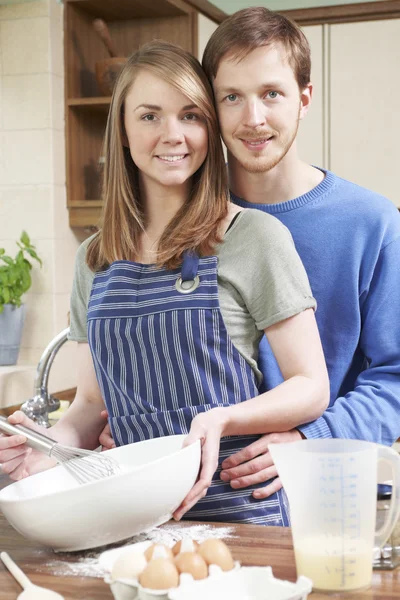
38	407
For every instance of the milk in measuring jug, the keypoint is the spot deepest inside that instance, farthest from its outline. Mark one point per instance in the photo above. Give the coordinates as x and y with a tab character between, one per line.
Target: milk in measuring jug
333	564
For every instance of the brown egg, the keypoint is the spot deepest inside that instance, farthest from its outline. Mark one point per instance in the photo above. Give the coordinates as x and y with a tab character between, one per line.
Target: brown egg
160	574
193	563
216	552
161	551
188	546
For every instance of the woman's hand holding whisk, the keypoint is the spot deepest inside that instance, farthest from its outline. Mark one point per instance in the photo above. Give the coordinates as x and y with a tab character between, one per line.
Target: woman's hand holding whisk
16	459
105	438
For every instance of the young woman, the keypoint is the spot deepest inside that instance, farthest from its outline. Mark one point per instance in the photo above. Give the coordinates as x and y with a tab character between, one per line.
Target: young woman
172	296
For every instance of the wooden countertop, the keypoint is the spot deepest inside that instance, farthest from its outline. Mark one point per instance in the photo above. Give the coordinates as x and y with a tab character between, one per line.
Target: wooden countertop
251	545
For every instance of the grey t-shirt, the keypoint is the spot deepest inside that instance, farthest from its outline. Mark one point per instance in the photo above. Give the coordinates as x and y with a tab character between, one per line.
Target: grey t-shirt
261	281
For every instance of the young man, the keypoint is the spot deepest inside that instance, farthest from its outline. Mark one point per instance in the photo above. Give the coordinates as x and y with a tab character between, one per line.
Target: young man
348	237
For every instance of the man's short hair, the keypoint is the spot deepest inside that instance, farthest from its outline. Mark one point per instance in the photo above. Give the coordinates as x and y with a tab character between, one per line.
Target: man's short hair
251	28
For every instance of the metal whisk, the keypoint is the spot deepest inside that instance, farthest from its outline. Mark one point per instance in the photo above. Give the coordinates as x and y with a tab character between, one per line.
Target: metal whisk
84	465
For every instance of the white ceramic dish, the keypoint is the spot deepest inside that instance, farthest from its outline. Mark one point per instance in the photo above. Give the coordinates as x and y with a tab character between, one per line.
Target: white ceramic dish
54	510
247	583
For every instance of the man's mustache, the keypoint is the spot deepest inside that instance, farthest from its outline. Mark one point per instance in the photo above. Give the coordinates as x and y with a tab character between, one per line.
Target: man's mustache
255	135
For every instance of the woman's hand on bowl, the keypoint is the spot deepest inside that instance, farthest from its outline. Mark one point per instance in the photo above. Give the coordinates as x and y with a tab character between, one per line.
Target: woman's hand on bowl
207	427
16	458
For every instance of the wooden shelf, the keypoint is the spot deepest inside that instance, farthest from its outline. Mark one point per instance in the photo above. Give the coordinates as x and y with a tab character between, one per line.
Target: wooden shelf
345	13
96	101
100	104
88	217
131	9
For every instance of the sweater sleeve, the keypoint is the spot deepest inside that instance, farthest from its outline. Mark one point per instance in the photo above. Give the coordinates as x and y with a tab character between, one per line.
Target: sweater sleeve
372	410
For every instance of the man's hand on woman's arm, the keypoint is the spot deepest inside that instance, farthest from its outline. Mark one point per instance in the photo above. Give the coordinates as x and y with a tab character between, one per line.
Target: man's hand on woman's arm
254	464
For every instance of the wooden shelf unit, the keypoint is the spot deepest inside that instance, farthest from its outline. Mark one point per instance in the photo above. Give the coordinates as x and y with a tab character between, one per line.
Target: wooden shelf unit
131	23
100	102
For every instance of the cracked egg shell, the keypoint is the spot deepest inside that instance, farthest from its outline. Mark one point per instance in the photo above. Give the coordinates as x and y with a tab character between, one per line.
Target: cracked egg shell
185	546
158	551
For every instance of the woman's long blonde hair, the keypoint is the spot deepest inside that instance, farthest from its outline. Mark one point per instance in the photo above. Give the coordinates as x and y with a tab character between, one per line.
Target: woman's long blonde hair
196	225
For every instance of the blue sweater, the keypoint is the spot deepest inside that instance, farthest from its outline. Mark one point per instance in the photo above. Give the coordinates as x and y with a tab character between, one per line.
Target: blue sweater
349	241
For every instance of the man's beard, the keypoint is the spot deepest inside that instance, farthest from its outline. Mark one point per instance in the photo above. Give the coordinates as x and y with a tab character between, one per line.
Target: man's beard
263	164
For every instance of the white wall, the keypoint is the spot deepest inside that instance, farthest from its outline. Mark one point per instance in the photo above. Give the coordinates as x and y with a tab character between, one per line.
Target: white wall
32	171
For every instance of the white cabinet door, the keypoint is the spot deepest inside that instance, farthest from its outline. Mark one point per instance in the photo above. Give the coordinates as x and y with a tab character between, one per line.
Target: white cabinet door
364	104
205	28
310	140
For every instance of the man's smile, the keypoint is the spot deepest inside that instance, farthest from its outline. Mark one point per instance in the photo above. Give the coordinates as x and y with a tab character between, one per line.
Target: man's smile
258	144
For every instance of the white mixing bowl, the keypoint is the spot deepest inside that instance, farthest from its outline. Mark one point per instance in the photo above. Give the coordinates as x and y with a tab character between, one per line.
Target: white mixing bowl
54	510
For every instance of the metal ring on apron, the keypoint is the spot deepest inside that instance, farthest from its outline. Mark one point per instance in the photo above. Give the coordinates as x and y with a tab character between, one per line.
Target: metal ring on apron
186	287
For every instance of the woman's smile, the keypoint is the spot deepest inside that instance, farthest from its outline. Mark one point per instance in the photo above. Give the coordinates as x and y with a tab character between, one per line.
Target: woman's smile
172	159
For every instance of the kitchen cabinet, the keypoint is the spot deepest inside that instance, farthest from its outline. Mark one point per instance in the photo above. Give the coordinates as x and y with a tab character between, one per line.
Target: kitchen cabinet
311	136
364	116
131	23
354	123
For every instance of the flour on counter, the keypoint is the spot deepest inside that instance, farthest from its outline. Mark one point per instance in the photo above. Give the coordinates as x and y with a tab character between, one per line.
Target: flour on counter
86	564
85	567
168	535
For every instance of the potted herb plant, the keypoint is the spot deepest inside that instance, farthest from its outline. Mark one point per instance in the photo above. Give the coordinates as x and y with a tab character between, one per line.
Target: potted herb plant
15	280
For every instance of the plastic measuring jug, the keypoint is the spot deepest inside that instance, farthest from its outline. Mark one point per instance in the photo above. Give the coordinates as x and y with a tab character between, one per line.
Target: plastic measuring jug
331	486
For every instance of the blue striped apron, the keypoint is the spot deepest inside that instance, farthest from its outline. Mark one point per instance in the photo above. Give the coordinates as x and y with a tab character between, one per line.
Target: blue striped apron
162	355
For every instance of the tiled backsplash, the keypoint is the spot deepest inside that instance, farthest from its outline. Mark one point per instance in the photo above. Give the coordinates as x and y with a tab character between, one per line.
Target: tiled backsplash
32	173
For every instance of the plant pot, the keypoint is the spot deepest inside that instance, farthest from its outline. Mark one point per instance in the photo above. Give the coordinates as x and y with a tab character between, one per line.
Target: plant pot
11	325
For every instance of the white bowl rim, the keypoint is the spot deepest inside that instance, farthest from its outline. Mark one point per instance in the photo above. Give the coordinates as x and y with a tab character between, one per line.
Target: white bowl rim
56	493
